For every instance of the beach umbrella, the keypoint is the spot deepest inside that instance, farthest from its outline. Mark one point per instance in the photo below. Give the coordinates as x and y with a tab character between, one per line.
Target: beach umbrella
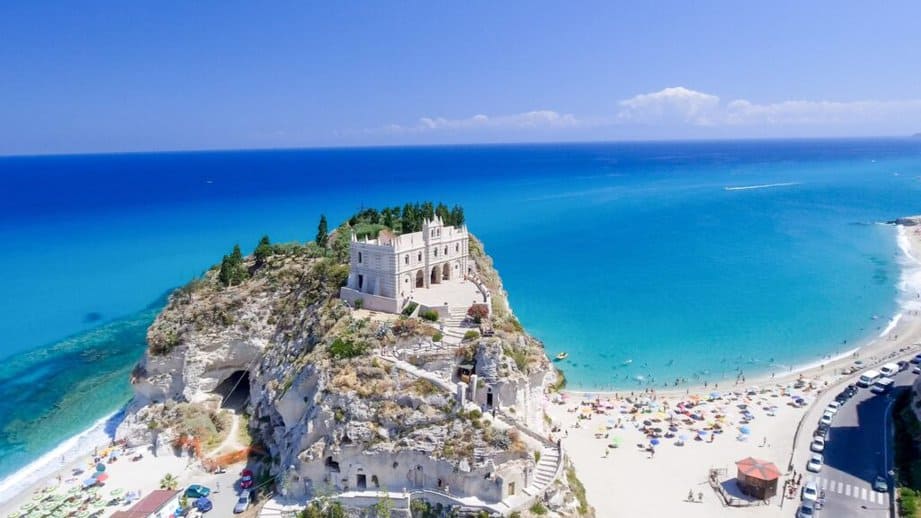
28	506
117	491
102	477
615	441
683	437
654	442
745	430
100	467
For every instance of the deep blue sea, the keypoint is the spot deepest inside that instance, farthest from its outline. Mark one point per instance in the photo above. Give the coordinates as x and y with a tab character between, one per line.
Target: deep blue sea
613	252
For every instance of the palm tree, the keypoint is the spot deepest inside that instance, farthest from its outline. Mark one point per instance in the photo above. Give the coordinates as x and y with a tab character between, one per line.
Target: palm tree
169	482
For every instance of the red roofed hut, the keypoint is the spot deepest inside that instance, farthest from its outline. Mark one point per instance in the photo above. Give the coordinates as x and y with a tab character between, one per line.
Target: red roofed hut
757	478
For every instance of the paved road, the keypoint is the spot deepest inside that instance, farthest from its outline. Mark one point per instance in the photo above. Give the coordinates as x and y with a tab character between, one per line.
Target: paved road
858	449
225	489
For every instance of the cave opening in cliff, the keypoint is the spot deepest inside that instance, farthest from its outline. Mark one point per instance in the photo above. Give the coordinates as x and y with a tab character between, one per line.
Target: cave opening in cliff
234	390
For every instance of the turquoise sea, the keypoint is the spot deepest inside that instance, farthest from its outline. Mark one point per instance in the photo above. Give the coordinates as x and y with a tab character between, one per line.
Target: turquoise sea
633	257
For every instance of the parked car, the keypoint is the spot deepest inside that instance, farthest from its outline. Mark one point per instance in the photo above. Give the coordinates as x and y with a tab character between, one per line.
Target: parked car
197	491
826	418
242	502
821	431
889	369
916	369
203	505
818	444
868	378
810	492
903	365
880	484
246	479
832	408
806	510
916	360
852	389
882	385
815	462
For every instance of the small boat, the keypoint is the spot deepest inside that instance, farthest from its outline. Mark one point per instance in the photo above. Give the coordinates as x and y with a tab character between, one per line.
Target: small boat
628	362
562	356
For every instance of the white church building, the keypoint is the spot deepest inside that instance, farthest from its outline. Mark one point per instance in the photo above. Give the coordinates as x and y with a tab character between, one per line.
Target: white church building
431	267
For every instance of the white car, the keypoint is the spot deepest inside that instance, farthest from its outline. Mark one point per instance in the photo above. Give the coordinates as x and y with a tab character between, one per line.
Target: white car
916	370
818	444
815	462
832	408
826	418
810	492
242	502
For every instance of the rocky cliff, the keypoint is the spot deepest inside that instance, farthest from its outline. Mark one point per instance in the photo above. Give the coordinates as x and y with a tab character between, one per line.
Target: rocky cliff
326	389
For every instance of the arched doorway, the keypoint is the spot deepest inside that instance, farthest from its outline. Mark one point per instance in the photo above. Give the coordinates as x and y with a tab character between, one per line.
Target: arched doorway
420	279
436	275
446	272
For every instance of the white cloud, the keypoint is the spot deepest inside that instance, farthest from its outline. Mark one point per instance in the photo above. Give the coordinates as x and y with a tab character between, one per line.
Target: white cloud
680	111
538	119
681	105
671	105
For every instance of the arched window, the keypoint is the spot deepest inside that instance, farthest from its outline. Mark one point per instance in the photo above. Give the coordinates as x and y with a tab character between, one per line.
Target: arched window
406	259
446	249
436	252
420	257
457	247
359	257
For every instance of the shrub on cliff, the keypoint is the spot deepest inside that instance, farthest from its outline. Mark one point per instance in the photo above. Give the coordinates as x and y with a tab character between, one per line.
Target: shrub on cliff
263	251
478	312
346	348
429	314
233	271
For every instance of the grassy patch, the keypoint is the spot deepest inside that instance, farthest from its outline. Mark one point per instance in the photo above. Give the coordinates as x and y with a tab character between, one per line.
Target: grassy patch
575	485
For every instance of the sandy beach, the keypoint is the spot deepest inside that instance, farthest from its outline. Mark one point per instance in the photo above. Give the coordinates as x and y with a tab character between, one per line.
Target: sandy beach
629	480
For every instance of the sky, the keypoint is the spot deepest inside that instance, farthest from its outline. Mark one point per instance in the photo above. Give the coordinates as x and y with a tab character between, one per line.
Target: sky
113	76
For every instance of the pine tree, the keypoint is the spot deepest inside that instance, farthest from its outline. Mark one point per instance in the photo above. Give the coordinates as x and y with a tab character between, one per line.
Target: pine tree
442	212
322	231
263	251
408	219
457	216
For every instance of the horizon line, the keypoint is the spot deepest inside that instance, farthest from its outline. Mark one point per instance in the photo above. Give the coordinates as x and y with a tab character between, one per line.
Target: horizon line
453	145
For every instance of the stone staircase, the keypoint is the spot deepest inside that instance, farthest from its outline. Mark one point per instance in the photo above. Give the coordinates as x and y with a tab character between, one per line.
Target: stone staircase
453	328
545	471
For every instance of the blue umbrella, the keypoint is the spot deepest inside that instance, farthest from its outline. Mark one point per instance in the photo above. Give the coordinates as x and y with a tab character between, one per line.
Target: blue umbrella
715	395
746	430
702	433
654	442
682	437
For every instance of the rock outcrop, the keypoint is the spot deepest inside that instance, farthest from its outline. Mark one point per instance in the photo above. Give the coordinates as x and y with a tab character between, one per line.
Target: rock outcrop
329	393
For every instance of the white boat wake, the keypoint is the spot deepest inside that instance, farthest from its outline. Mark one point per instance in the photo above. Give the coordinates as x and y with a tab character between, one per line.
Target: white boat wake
762	186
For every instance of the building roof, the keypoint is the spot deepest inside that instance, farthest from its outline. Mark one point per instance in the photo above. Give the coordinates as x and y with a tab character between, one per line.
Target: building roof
148	505
758	469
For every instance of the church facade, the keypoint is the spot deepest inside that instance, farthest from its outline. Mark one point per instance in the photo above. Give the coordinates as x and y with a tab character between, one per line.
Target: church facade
386	271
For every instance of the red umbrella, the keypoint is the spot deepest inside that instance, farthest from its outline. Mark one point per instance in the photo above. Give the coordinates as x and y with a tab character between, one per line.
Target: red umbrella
102	477
758	469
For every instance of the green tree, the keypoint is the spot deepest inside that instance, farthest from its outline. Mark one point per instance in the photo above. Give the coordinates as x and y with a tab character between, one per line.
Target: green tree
408	219
442	212
263	251
322	231
233	271
457	216
428	210
335	510
169	482
387	217
383	507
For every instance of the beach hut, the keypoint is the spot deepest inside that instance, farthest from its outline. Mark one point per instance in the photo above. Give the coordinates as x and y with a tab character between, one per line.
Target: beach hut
757	477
